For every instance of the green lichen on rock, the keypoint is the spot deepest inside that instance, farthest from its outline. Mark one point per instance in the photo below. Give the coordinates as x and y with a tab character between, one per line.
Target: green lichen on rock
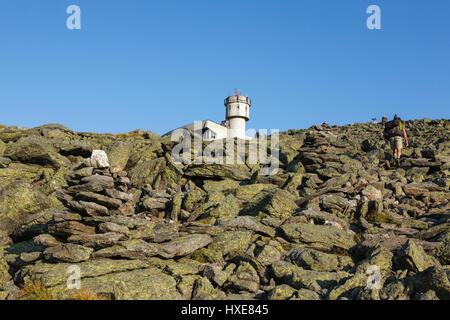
318	236
35	150
231	241
20	199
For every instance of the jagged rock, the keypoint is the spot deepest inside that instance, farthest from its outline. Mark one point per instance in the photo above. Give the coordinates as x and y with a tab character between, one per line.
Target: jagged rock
215	171
184	245
151	203
4	274
414	258
246	222
68	228
18	200
268	254
299	278
318	237
113	227
46	240
217	275
132	249
96	240
429	295
35	150
432	278
94	183
105	201
68	253
281	292
231	241
202	289
444	250
311	259
56	274
245	278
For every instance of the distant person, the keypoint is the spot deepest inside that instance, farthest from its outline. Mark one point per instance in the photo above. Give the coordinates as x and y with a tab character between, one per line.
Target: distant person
393	132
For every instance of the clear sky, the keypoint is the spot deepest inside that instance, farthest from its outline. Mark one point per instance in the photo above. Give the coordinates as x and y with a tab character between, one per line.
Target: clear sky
157	65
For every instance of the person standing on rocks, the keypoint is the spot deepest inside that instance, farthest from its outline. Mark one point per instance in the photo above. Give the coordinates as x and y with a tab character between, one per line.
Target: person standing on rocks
393	131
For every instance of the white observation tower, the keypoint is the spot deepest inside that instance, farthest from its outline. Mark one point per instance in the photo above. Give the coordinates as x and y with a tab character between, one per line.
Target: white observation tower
237	114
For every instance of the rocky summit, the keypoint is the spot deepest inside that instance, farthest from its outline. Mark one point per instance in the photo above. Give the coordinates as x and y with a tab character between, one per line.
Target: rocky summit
339	220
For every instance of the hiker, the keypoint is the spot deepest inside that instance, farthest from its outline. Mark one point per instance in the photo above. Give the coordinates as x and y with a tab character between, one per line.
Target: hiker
393	131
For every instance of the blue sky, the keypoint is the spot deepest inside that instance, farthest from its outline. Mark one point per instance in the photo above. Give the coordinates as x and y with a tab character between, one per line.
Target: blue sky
157	65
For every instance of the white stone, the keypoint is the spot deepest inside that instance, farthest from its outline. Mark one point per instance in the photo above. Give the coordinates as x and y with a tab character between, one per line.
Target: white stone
99	159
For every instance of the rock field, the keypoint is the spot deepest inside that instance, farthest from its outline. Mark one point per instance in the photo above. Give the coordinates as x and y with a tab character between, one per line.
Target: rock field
338	221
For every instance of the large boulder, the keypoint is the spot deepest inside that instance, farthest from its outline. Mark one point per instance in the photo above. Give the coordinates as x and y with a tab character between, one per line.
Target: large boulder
35	150
19	200
217	171
320	237
311	259
184	245
413	257
160	173
231	241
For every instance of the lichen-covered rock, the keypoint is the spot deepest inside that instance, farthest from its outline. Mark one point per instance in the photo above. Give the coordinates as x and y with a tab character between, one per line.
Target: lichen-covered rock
281	292
4	274
161	286
337	221
444	251
433	278
311	259
132	249
58	274
413	257
215	171
184	245
318	237
20	199
298	278
202	289
268	254
35	150
68	253
231	241
245	278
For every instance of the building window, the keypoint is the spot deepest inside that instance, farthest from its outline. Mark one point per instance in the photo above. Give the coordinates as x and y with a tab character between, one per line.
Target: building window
209	135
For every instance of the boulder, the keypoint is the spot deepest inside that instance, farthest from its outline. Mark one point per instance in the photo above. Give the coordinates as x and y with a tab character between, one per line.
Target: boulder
412	257
131	249
19	200
184	245
318	237
311	259
99	159
231	241
35	150
68	253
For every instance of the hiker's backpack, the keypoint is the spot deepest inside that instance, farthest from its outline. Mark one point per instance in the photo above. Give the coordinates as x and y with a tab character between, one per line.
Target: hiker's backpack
392	129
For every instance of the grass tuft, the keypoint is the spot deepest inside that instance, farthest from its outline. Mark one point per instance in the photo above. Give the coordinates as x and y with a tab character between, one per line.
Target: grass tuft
36	290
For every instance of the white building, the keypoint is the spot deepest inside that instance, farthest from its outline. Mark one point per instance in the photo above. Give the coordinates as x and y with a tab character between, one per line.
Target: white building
237	114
